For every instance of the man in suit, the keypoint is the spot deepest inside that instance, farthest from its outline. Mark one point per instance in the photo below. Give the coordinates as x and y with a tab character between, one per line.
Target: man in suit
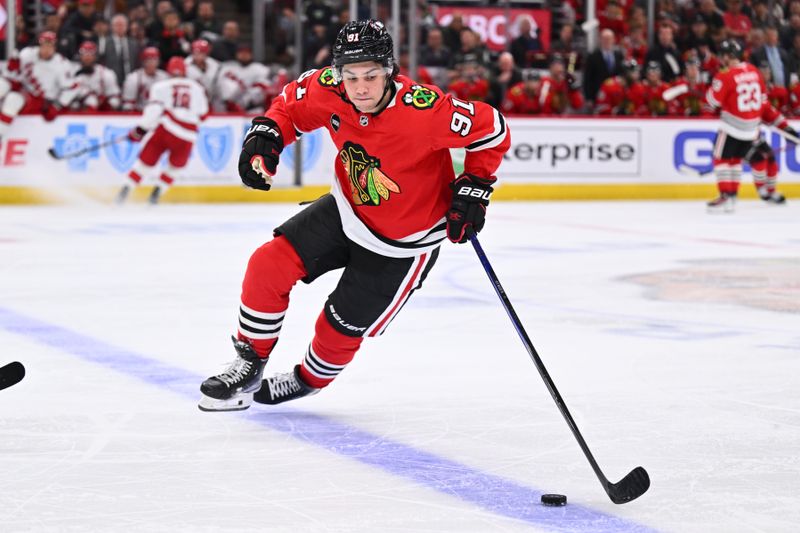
779	60
601	64
121	51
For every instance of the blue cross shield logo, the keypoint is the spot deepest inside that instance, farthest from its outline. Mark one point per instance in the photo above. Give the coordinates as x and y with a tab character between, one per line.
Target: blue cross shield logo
122	154
215	146
75	140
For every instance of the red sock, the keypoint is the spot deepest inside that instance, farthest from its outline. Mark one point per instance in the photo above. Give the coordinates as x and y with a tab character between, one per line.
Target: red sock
328	354
271	273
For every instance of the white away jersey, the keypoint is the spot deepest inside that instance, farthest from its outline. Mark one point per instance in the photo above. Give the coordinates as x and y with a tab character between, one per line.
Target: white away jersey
98	90
177	104
136	88
51	79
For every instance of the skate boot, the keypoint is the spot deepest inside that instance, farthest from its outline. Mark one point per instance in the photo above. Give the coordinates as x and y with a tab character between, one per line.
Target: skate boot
155	196
724	203
233	389
772	197
283	387
122	195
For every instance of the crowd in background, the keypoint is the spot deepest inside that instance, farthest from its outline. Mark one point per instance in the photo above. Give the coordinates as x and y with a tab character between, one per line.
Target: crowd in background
622	76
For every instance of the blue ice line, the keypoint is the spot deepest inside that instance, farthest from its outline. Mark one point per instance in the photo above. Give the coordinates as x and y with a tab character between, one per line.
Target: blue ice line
490	492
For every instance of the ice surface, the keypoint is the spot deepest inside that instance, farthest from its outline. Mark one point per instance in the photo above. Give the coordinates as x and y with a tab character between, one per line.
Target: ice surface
673	336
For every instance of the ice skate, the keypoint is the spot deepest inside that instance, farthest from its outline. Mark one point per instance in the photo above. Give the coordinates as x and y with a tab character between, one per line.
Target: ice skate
155	196
233	389
123	194
724	203
283	388
772	197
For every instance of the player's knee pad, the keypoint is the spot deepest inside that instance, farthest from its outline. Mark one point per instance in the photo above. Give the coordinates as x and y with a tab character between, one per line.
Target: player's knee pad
273	269
12	104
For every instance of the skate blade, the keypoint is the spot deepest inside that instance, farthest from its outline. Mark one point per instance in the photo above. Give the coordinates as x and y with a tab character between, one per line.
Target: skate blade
239	402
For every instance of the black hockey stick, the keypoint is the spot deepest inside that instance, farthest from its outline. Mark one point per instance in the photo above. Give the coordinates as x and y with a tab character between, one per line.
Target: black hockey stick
11	374
78	153
628	488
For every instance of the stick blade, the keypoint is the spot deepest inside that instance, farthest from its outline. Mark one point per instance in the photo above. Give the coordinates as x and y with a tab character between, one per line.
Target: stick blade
52	152
630	487
11	374
686	170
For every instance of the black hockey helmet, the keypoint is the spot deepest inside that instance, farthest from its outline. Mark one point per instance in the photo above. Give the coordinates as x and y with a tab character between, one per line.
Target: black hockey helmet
363	40
731	47
654	66
630	65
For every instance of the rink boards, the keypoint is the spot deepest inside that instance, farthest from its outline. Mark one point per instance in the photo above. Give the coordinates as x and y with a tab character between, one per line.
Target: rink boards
563	158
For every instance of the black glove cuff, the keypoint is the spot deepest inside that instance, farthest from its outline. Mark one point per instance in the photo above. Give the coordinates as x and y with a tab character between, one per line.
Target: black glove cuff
267	129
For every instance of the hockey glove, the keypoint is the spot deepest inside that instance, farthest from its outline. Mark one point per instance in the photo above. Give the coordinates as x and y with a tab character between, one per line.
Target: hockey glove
791	131
468	208
136	134
260	153
572	83
50	110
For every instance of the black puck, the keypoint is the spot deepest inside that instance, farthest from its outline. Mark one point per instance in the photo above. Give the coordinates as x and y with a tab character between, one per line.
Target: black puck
555	500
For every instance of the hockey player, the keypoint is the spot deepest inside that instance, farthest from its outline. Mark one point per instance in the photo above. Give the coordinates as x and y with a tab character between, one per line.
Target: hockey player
245	83
394	199
739	92
136	87
523	98
206	71
560	92
687	95
654	88
622	95
174	111
46	78
97	88
777	95
471	82
761	156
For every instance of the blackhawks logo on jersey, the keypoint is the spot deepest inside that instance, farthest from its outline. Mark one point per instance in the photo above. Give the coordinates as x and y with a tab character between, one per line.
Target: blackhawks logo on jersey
420	97
368	184
326	79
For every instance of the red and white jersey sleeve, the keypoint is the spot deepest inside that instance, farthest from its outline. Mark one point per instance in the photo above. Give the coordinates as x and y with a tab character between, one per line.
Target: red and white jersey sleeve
178	105
739	93
136	88
98	90
46	79
209	77
246	84
393	168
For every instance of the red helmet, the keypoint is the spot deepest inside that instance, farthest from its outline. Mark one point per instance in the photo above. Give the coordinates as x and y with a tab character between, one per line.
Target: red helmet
47	37
176	66
87	47
202	46
151	52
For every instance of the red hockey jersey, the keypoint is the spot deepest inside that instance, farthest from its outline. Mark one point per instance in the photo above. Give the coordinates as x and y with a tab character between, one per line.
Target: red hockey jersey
740	93
394	169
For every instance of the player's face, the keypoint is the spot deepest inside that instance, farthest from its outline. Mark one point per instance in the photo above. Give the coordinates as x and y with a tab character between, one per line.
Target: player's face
150	65
364	84
47	50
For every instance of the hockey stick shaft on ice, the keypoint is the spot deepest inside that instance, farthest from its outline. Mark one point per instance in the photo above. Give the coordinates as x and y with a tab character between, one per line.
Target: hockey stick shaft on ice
11	374
632	485
78	153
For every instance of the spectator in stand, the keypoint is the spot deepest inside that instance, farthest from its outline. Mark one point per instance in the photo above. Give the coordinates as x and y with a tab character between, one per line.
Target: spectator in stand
776	57
755	41
613	18
603	63
710	63
791	29
560	92
470	82
188	10
634	45
155	28
761	15
206	25
698	34
666	54
527	47
224	48
317	47
452	33
471	50
737	23
794	56
171	42
122	52
102	33
777	95
319	13
137	12
713	16
523	98
434	53
504	76
567	47
138	34
77	27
